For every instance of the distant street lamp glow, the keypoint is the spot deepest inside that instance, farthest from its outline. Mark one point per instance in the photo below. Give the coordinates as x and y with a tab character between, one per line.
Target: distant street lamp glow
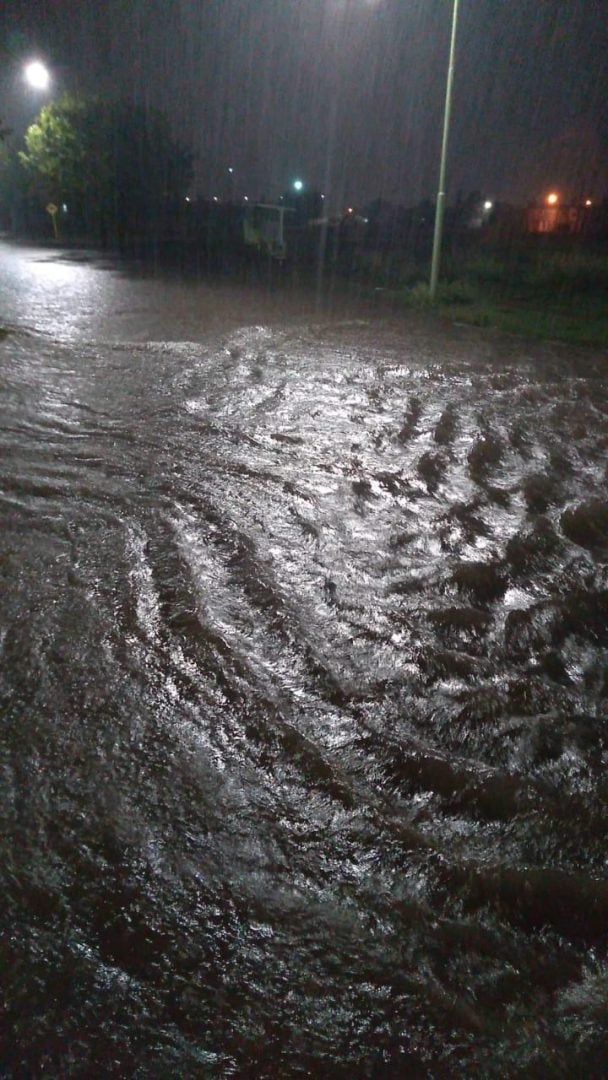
488	205
231	183
298	185
552	199
245	198
37	75
588	202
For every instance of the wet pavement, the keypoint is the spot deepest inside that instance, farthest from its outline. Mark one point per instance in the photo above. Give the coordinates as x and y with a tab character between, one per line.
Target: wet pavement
304	687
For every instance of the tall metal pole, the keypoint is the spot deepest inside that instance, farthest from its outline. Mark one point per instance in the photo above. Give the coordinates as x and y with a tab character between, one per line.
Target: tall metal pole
439	210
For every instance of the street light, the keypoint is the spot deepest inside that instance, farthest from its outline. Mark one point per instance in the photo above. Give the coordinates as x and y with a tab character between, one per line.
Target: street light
37	75
298	185
440	207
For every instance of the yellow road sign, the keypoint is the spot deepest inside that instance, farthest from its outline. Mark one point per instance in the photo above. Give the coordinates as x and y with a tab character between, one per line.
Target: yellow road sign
53	210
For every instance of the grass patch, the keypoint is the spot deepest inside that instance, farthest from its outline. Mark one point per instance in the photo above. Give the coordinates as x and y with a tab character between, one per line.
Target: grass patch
537	323
561	297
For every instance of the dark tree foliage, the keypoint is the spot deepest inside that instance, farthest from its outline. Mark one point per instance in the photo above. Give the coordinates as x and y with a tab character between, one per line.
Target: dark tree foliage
16	205
117	166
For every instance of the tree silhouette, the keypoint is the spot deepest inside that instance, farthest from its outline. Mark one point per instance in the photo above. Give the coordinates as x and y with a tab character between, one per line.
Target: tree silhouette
116	165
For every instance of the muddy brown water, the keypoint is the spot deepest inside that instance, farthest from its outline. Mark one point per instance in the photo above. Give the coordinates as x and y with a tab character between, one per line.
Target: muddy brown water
304	688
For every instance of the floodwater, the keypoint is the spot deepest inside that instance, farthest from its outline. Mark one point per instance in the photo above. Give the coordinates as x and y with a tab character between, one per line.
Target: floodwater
304	688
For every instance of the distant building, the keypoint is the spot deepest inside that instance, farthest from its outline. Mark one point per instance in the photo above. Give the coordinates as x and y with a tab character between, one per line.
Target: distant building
556	218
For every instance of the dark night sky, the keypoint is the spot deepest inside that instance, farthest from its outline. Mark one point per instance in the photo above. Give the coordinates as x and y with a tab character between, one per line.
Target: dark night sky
347	94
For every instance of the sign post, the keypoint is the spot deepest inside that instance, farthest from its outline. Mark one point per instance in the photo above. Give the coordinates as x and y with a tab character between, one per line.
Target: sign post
53	211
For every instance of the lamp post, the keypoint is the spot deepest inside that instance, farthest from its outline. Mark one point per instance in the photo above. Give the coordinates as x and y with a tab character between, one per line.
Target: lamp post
440	207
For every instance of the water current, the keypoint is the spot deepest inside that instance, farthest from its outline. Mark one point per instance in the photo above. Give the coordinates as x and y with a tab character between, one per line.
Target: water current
304	691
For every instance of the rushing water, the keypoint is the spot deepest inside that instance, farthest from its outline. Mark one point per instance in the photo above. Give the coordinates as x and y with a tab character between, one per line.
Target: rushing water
304	689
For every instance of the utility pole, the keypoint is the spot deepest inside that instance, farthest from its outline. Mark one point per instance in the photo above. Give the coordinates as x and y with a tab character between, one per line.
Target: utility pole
440	207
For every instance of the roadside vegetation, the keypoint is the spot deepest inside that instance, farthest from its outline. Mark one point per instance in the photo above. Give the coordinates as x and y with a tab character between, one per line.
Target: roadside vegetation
538	295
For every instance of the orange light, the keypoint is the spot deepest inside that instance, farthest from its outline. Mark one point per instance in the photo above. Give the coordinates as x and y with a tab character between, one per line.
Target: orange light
552	199
588	202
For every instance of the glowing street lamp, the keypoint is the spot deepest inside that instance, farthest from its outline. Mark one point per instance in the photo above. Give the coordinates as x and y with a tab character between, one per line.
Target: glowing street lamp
552	198
298	185
230	171
37	75
440	207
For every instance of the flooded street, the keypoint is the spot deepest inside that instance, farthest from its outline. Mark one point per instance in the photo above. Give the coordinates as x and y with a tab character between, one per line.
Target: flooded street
304	687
